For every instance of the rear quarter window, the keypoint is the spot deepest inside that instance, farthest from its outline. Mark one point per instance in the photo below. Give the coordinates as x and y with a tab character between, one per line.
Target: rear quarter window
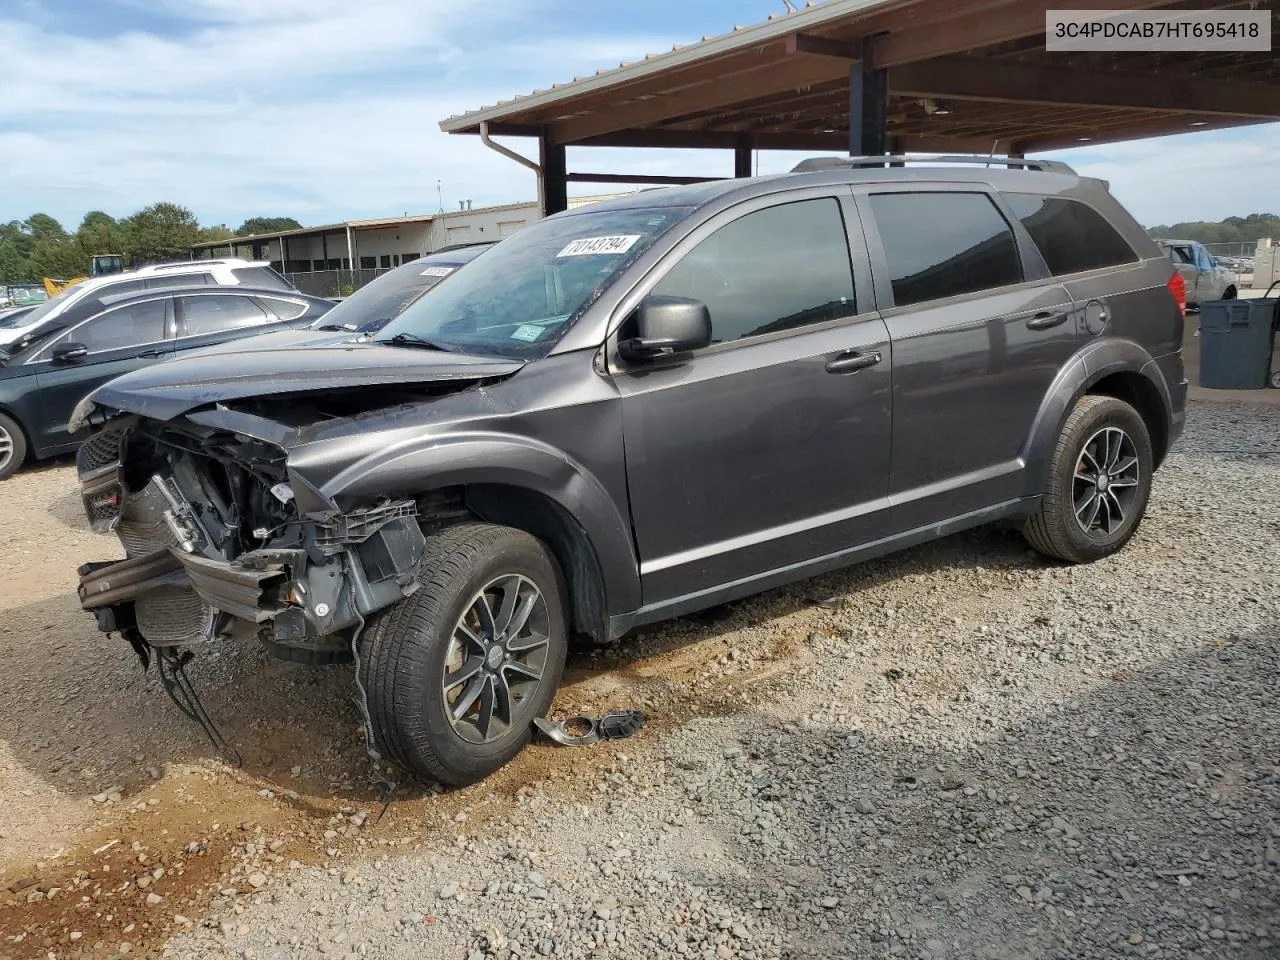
1070	235
263	277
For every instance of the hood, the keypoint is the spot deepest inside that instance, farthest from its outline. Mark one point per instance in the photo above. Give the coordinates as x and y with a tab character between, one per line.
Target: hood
287	363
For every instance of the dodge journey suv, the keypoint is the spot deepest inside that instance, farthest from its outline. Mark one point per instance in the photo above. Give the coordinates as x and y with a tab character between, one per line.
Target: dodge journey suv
632	411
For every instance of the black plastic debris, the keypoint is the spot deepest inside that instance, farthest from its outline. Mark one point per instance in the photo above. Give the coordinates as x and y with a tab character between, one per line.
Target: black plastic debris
585	731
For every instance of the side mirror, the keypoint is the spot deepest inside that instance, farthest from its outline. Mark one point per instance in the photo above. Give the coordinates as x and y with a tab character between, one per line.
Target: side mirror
68	352
665	326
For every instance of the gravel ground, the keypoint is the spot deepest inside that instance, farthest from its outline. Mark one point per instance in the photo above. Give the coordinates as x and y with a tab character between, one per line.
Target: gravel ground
960	751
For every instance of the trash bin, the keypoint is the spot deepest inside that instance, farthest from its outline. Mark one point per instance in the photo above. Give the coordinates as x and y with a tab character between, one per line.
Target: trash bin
1236	342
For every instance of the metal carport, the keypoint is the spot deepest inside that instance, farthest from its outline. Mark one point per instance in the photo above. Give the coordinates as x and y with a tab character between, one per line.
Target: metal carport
886	76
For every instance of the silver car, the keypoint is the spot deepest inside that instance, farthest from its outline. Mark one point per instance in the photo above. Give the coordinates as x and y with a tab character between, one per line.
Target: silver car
1204	278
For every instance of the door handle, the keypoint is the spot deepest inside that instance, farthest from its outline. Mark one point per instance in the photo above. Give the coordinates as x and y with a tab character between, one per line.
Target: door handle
151	354
851	361
1046	320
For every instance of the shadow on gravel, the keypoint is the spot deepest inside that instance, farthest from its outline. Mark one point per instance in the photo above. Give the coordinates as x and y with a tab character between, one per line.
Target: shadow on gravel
1141	820
81	714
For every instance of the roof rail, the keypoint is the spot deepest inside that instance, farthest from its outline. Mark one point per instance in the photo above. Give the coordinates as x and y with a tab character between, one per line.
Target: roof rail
814	164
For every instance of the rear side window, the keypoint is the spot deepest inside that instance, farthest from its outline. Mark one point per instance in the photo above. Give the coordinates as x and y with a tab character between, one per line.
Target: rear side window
944	244
776	269
263	277
179	280
1070	235
285	309
219	314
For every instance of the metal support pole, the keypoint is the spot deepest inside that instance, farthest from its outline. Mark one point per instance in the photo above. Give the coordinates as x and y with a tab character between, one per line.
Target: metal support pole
284	256
351	253
868	102
555	188
742	155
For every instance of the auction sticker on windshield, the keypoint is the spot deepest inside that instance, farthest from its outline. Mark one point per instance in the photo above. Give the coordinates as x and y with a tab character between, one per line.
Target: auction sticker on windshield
591	246
437	271
528	332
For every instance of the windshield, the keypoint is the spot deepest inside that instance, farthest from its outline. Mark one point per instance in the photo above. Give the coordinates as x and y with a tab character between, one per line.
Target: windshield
520	297
50	305
14	318
379	302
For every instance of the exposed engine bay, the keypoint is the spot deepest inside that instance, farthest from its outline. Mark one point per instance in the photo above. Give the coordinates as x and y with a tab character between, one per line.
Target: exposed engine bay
216	547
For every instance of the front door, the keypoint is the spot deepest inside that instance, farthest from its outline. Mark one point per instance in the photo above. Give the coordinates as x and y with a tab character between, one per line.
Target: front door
975	348
119	340
770	447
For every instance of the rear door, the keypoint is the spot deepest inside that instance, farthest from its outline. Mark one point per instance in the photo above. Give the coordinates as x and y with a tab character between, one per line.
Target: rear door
979	332
119	340
206	319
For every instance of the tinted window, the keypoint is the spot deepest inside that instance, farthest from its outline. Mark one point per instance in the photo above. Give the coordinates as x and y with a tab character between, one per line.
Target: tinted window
219	314
179	280
128	326
1071	236
285	309
776	269
944	244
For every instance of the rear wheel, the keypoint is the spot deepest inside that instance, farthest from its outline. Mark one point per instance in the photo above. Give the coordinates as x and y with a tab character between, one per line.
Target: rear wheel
13	447
1229	293
1099	483
457	672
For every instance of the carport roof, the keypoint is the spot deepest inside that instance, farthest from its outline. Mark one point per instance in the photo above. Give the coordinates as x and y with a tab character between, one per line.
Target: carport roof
960	76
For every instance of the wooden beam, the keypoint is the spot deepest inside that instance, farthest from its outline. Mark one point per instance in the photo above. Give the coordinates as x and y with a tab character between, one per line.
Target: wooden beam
822	47
975	25
555	192
636	178
978	78
780	76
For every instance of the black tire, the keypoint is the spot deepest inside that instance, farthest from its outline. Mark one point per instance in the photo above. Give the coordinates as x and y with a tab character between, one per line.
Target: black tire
13	447
1054	529
406	648
1230	293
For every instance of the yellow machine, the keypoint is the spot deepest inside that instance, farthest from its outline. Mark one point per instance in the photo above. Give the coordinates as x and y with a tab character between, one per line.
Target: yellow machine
104	264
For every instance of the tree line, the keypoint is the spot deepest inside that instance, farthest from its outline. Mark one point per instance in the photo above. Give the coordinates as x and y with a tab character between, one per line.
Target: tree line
40	246
1231	230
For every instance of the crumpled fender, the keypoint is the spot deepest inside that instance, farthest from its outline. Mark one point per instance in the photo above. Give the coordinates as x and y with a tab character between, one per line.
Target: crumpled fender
491	457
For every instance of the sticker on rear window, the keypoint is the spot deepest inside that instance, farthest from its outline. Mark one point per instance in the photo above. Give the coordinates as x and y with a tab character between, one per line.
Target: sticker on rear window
593	246
527	332
437	271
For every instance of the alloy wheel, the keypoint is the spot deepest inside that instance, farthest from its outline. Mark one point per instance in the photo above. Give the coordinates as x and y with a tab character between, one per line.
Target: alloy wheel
1105	484
6	447
496	659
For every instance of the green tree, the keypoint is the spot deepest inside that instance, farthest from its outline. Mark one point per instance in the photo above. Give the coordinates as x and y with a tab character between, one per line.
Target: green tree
260	225
100	233
219	232
162	231
41	226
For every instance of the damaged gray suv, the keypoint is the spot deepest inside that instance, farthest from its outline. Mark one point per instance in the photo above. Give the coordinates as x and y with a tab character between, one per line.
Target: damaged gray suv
632	411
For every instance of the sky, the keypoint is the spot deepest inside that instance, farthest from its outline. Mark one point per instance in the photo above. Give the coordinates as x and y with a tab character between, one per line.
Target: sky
328	110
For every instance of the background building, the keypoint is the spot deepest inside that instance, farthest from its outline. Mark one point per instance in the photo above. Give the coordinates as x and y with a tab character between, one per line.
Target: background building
336	258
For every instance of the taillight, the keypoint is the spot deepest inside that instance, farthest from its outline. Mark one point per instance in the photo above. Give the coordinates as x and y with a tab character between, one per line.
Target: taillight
1178	287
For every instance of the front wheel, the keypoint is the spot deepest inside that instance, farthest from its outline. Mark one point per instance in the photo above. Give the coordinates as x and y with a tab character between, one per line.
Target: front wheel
13	447
1099	483
1230	293
456	673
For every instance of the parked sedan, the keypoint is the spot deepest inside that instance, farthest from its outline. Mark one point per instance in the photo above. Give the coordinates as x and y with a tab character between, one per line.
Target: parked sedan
376	304
44	374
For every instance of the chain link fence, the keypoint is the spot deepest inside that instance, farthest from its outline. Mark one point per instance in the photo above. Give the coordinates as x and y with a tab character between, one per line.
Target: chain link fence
334	283
1232	249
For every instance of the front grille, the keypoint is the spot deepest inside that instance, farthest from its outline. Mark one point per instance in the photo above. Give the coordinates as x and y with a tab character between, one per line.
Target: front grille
167	616
100	450
171	616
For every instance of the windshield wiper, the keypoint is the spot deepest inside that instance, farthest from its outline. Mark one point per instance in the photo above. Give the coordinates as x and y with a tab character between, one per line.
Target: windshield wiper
413	340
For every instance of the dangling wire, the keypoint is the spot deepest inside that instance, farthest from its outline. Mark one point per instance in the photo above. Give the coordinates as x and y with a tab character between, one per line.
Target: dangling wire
384	786
172	667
